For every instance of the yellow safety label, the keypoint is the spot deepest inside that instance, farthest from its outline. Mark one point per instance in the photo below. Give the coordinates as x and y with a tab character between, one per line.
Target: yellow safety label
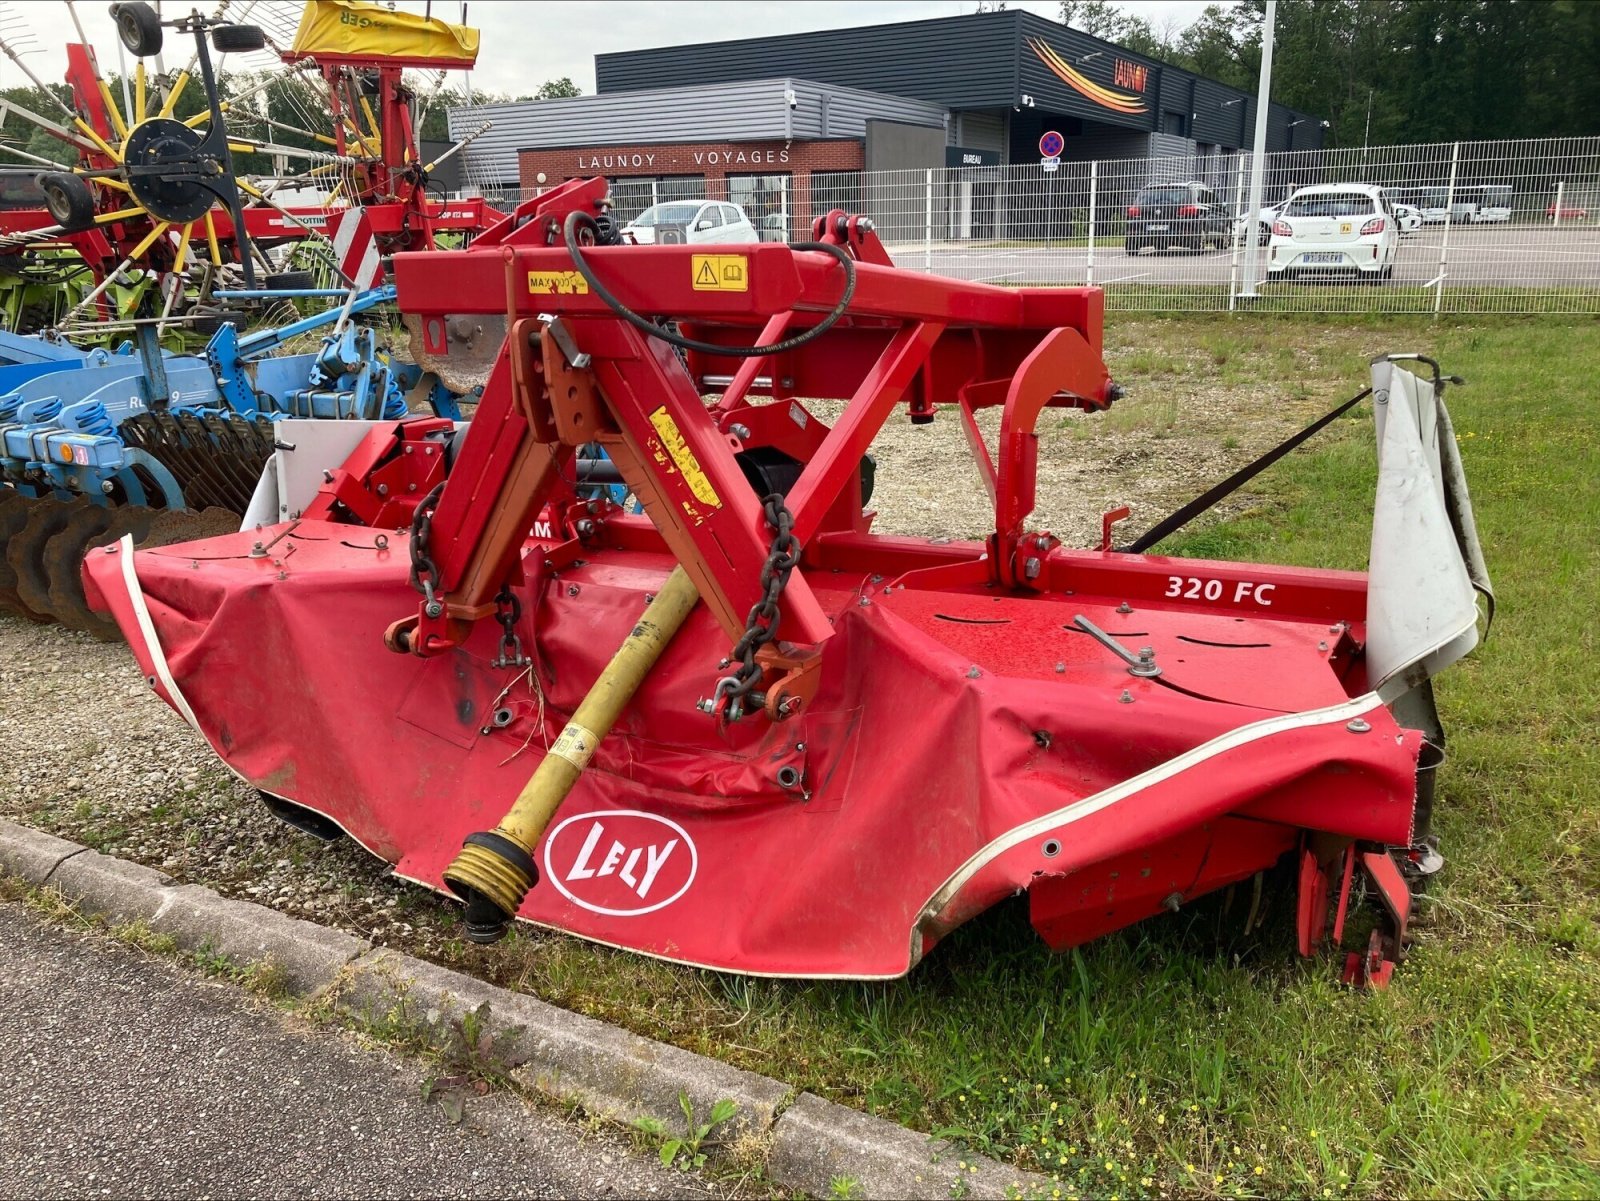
551	283
720	272
675	450
575	745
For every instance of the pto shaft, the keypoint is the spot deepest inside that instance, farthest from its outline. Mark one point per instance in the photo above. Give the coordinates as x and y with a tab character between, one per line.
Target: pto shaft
495	869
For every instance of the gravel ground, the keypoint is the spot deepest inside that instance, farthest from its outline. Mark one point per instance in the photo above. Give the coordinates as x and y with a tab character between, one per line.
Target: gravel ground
87	752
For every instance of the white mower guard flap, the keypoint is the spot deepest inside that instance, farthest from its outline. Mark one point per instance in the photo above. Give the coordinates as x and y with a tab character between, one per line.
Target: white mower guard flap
1426	567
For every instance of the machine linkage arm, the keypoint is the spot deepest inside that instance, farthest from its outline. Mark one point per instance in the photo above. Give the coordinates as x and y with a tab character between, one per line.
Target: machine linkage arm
576	369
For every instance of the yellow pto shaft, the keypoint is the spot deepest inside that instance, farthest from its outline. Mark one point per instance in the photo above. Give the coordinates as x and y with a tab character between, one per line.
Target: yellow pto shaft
495	869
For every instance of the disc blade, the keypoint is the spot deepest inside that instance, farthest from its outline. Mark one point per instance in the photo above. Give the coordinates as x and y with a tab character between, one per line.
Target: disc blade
15	509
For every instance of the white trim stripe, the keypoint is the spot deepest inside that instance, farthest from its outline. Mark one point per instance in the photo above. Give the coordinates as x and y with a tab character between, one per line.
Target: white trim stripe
1090	805
152	644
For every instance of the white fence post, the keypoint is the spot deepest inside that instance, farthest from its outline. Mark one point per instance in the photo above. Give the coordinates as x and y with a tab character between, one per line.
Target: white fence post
1250	227
1449	220
1561	188
1094	183
927	225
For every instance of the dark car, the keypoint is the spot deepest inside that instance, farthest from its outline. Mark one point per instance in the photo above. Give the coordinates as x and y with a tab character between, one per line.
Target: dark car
1184	215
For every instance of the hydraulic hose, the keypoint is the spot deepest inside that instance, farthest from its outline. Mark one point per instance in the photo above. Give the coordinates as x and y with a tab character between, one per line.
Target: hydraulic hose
569	231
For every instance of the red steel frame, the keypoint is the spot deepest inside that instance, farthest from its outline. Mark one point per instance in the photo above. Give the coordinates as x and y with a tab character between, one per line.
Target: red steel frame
908	340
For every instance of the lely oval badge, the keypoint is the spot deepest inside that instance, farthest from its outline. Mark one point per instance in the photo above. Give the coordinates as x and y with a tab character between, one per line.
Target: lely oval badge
620	862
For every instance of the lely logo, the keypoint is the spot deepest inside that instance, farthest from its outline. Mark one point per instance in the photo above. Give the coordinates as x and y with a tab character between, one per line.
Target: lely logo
620	862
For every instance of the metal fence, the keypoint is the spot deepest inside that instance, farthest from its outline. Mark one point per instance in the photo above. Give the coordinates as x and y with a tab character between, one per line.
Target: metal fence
1487	227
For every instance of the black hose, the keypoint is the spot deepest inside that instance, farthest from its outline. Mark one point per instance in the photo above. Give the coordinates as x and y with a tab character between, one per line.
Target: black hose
644	325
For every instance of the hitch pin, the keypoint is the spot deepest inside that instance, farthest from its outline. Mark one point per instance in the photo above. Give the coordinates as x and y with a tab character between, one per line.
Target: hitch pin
1143	664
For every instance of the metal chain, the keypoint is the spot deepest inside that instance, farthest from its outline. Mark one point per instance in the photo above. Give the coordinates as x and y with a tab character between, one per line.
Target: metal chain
508	612
424	574
734	692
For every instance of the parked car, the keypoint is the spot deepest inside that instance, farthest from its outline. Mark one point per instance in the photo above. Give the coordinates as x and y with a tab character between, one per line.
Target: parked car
675	222
1335	230
1569	212
774	227
1263	223
1410	218
1185	215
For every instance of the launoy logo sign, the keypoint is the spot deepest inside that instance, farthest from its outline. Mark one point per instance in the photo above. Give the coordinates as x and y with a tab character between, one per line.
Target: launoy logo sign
620	862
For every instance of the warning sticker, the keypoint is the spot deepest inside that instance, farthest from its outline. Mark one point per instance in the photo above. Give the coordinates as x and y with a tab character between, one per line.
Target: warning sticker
672	448
551	283
575	744
720	272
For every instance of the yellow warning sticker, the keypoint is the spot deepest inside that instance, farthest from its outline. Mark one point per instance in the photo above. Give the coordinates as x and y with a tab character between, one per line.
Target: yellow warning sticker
720	272
575	744
553	283
675	449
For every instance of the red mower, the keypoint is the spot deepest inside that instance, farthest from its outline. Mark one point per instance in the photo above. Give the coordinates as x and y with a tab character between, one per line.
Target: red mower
727	724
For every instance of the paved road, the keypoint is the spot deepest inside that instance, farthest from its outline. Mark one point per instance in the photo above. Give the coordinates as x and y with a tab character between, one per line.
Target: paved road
1486	255
124	1075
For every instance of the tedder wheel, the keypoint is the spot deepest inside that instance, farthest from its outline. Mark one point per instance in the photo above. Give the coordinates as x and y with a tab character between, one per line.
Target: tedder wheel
139	27
290	281
230	39
68	199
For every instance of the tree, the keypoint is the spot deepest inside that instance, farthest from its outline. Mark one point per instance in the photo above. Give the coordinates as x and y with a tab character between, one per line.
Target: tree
557	89
1109	23
1393	71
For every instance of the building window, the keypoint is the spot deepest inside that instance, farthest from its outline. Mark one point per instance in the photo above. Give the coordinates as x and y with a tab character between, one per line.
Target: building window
765	200
836	190
631	195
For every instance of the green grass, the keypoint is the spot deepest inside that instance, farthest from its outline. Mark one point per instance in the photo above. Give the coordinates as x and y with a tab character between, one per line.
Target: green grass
1182	1057
1338	298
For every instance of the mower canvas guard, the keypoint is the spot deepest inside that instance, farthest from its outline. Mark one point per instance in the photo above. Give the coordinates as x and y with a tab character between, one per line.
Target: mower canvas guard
931	726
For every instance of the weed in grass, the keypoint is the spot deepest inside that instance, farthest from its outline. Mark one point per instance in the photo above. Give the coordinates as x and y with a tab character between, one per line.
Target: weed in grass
686	1152
472	1059
266	978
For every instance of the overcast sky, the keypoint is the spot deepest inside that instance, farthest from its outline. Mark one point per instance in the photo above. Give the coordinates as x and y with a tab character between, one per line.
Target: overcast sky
526	43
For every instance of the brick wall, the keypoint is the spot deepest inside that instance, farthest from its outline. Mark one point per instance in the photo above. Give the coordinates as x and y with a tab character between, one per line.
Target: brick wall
714	160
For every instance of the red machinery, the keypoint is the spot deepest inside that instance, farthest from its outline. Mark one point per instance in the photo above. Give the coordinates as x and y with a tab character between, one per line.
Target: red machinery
909	730
149	186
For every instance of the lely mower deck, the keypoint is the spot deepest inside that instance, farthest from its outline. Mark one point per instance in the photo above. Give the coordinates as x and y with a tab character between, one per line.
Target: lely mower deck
738	728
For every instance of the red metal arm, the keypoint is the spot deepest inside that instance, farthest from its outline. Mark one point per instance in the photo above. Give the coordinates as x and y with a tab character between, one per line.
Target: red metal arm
905	339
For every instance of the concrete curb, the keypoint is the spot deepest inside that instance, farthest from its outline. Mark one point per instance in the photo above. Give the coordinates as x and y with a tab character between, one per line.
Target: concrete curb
814	1146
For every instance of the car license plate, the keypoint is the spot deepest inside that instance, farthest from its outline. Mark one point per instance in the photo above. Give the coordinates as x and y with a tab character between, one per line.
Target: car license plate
1158	229
1324	258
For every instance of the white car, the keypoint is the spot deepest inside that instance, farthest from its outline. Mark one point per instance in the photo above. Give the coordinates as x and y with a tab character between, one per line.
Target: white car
675	222
1334	230
1263	223
1410	218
